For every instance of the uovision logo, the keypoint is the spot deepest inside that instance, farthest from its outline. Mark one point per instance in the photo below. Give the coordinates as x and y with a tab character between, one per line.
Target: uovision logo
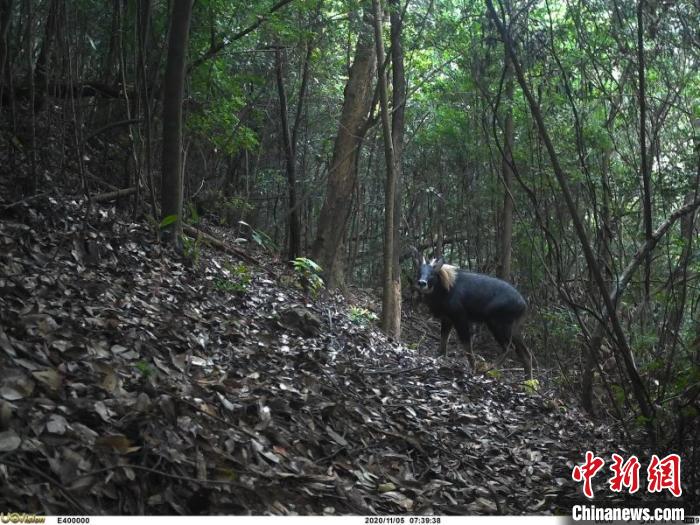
21	517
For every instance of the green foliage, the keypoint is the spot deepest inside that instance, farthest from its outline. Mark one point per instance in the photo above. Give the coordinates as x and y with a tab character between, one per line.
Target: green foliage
309	274
361	316
494	373
238	281
641	421
191	249
689	412
686	378
644	342
144	368
654	365
219	125
167	221
561	325
618	394
193	214
263	240
236	206
229	210
532	386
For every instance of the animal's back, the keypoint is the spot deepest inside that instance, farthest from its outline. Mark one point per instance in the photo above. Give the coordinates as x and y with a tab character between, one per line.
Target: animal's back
482	297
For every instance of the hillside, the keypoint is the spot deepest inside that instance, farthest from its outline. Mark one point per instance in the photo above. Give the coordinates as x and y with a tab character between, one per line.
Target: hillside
136	382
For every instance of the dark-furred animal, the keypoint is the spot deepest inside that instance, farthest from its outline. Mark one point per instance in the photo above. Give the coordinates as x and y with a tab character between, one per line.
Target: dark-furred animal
459	298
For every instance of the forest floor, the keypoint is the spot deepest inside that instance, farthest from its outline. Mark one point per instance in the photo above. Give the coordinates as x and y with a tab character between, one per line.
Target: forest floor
138	382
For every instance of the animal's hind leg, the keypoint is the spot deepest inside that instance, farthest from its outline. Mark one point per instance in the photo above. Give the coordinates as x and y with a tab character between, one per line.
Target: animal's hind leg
502	333
521	349
506	352
524	354
465	336
508	336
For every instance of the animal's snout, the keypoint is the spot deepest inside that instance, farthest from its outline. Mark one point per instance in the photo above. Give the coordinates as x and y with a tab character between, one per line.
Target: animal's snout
422	283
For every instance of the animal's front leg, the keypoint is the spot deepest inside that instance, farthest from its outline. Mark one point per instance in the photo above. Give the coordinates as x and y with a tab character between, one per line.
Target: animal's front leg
445	329
470	349
465	336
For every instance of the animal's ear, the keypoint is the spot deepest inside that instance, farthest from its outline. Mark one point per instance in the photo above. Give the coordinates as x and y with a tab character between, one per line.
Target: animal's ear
438	264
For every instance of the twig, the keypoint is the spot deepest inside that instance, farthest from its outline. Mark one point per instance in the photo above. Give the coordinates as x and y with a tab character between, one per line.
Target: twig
111	195
249	433
194	232
411	441
395	371
499	508
99	181
110	126
25	200
43	475
167	475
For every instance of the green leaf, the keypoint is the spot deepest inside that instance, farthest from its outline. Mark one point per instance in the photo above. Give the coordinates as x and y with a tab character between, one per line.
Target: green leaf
532	386
494	374
167	221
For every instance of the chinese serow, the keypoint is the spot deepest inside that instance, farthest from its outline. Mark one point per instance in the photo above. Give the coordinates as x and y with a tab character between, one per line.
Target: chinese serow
459	298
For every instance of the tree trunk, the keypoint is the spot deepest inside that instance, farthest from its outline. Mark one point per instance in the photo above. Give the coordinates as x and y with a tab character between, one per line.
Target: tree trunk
294	226
398	76
680	274
32	183
144	25
391	311
605	263
41	70
646	183
342	178
507	172
108	74
5	16
173	92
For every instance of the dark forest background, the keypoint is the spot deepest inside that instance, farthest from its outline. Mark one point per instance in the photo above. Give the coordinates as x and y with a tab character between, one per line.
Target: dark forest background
553	143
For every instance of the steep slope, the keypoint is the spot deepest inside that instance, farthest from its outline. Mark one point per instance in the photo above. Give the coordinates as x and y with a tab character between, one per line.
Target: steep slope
134	382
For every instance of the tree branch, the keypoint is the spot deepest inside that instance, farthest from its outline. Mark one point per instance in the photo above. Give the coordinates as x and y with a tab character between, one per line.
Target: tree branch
640	392
215	49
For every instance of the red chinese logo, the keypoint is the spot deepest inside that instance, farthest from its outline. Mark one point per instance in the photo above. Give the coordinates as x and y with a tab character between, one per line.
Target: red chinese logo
661	474
586	472
665	474
625	474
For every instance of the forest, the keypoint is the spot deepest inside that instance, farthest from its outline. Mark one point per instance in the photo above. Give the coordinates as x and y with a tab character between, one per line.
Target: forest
334	257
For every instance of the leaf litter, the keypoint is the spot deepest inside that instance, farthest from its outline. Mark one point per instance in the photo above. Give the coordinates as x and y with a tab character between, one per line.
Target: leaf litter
132	384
